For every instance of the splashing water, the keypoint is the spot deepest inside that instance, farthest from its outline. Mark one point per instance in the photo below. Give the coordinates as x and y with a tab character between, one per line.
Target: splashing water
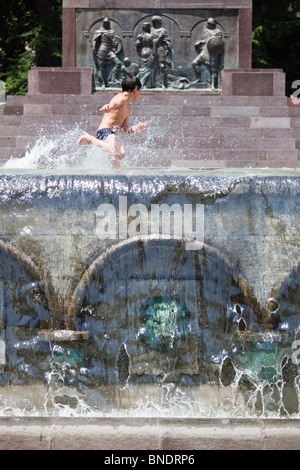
60	150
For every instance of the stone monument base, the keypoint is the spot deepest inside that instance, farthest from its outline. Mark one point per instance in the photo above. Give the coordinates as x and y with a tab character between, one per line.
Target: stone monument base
253	82
56	80
79	81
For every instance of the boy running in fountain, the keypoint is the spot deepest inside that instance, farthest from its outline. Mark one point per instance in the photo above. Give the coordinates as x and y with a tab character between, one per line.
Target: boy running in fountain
116	116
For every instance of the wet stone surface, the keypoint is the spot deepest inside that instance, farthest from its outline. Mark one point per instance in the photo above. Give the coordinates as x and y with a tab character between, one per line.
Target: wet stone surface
105	317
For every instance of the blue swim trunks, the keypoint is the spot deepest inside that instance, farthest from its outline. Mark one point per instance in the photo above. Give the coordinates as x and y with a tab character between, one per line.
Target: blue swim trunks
102	134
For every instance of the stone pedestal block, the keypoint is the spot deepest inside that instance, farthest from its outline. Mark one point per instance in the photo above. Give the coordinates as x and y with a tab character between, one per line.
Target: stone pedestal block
67	80
253	82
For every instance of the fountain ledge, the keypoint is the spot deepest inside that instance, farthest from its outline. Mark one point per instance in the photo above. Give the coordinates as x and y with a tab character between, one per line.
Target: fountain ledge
149	434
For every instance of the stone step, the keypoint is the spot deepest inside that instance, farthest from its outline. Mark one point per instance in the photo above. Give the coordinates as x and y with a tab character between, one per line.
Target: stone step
295	122
229	138
10	131
190	104
154	110
192	124
201	130
295	112
15	100
245	155
7	141
10	120
50	120
29	126
231	144
297	133
204	144
166	119
148	98
210	158
220	137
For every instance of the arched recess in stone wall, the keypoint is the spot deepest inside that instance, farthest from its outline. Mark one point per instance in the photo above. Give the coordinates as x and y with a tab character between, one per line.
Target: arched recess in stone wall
166	261
149	305
26	285
23	312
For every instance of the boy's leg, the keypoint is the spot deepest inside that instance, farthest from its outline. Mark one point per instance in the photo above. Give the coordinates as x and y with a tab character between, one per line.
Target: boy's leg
90	139
114	146
111	144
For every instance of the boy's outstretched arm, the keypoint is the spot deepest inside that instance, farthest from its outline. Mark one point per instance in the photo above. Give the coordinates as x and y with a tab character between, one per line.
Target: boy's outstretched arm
109	107
105	108
115	103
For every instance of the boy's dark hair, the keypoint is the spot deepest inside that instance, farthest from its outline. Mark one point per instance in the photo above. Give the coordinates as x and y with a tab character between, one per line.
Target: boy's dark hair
129	83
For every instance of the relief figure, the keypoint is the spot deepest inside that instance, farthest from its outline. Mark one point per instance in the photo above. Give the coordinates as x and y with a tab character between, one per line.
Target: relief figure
210	51
154	49
162	50
106	46
144	47
130	68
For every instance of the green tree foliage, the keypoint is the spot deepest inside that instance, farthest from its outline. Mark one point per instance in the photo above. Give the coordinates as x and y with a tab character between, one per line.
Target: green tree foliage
30	35
276	37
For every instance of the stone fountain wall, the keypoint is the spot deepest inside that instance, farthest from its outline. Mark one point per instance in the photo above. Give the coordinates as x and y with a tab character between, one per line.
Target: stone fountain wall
85	266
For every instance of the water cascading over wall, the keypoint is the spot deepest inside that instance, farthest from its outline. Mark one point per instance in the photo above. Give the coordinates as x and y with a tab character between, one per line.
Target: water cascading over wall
98	303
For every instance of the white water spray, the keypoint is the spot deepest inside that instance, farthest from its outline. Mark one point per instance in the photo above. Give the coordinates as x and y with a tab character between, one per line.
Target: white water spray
58	149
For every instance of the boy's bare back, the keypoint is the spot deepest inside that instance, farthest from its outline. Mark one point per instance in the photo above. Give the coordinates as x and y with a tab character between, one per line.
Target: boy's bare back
117	112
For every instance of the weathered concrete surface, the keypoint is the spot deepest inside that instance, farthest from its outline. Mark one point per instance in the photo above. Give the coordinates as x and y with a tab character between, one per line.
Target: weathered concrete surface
148	434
